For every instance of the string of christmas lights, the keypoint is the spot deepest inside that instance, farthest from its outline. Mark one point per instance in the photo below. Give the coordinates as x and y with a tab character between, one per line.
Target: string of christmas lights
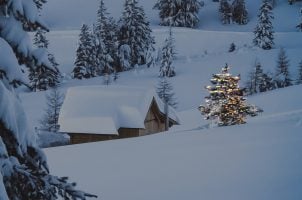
225	103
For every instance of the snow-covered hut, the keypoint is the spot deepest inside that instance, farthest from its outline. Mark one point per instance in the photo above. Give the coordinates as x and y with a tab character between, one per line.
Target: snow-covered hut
95	113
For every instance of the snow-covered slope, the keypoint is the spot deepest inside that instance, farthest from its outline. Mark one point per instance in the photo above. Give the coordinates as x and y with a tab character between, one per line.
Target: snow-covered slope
70	14
260	160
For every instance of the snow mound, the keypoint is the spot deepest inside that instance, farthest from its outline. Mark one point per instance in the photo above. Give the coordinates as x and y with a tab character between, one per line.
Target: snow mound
9	63
14	117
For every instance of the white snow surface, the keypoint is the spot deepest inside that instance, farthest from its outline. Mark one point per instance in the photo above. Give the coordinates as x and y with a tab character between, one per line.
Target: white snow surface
9	63
2	189
105	109
259	160
15	119
13	32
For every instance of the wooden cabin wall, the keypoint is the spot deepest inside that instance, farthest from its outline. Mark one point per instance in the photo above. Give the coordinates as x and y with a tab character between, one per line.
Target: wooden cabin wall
153	123
128	132
78	138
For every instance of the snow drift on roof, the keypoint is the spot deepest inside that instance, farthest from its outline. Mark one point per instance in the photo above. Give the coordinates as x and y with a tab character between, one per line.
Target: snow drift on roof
105	109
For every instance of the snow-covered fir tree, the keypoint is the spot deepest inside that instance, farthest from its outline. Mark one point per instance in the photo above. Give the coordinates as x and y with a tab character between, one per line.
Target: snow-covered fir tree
282	76
259	81
105	31
167	11
151	56
135	32
41	77
53	62
225	11
112	43
181	13
24	172
165	92
102	21
125	57
264	33
103	61
299	79
168	55
54	101
40	39
84	63
239	14
267	82
226	105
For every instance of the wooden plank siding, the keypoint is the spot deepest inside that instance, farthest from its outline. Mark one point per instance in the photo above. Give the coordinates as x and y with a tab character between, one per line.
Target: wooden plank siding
154	122
78	138
128	132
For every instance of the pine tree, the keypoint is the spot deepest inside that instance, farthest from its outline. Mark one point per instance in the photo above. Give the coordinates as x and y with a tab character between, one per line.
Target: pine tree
112	43
264	37
105	40
167	11
181	13
135	32
84	63
225	10
268	82
54	100
102	21
225	104
239	14
41	77
103	59
259	81
168	55
40	39
151	57
24	171
165	92
299	80
282	76
125	57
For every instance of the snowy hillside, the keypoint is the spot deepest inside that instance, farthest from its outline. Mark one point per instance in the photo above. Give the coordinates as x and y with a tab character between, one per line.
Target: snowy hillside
83	11
259	160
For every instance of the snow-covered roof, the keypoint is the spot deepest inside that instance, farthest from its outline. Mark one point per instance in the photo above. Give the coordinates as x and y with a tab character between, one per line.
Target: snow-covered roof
105	109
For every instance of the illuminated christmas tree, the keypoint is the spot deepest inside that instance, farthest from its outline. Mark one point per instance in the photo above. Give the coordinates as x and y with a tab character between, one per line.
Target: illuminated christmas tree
226	105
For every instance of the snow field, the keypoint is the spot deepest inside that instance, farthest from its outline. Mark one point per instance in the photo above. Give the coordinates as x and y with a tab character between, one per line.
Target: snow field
258	160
